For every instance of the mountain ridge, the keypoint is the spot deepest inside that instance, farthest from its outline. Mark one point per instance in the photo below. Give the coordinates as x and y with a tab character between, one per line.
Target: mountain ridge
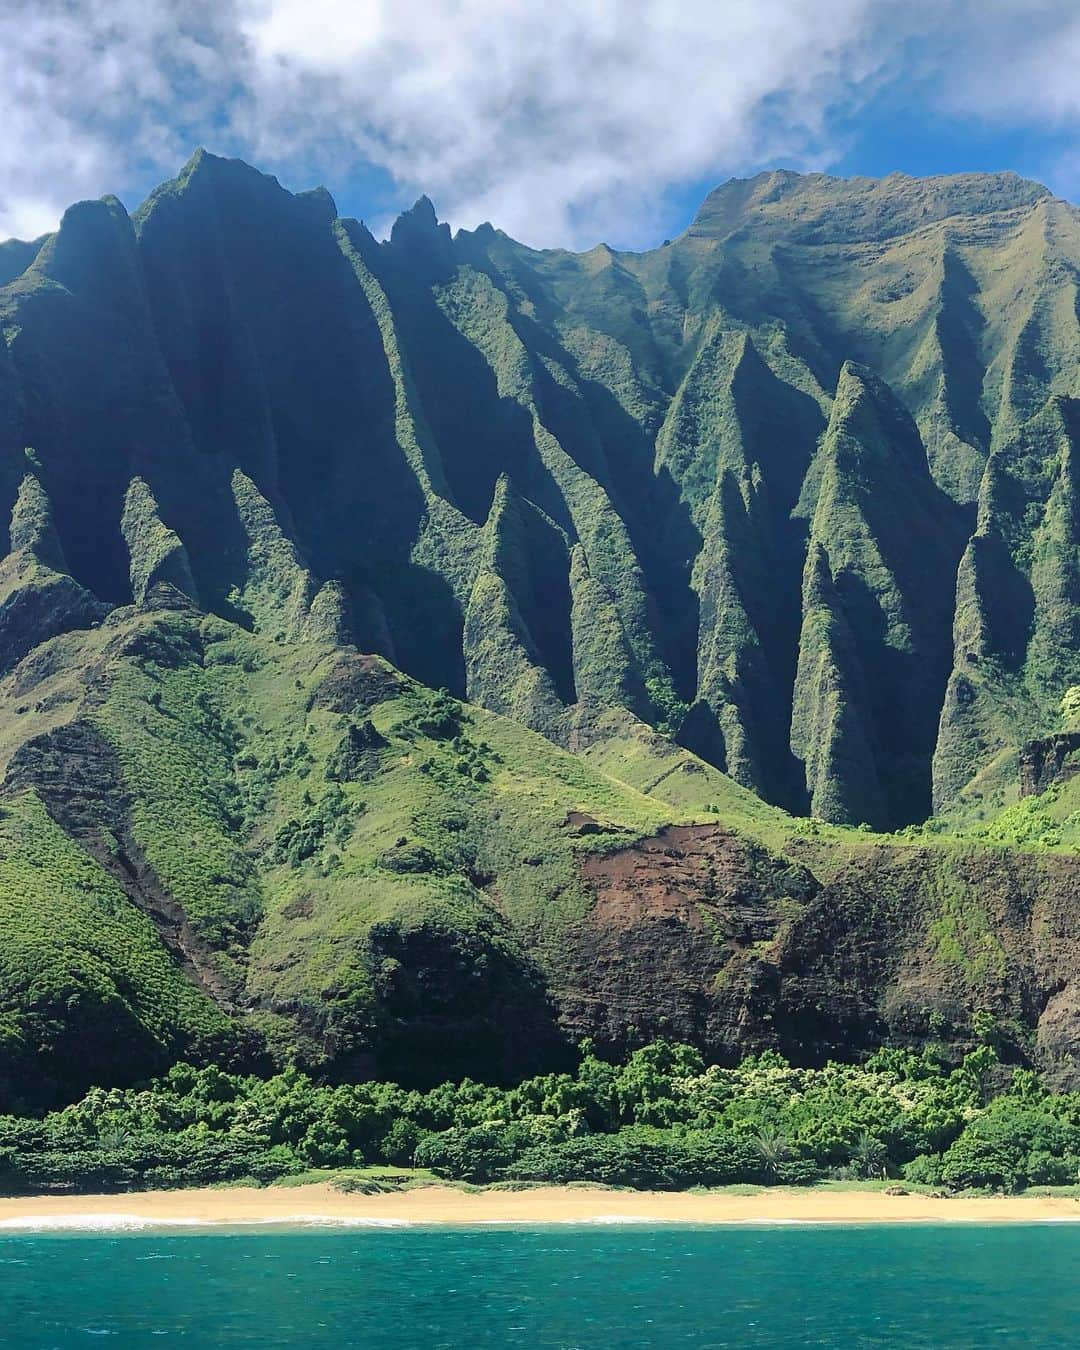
798	494
521	386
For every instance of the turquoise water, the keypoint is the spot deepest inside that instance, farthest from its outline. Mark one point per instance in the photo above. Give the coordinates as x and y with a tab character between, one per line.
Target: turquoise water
561	1287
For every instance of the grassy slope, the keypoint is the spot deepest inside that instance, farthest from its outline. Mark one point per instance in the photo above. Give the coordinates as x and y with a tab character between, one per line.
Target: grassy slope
334	894
86	985
227	764
1048	823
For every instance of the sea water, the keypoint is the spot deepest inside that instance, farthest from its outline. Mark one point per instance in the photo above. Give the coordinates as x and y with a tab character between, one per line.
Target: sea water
590	1286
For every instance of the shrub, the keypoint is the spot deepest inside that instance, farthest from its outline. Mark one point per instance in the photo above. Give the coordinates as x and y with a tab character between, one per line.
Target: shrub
974	1162
924	1170
1044	1169
658	1159
475	1153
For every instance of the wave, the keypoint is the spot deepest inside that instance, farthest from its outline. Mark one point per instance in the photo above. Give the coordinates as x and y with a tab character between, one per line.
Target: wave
138	1222
92	1222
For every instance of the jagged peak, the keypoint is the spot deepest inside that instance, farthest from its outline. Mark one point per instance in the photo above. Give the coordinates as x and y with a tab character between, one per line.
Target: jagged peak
482	233
503	487
992	494
157	553
508	503
749	366
321	199
427	239
856	380
502	498
867	411
210	174
853	397
32	527
420	220
818	585
423	210
278	588
204	163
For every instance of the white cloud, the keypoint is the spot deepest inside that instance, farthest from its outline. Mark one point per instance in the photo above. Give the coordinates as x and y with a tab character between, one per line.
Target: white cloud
92	95
562	122
553	120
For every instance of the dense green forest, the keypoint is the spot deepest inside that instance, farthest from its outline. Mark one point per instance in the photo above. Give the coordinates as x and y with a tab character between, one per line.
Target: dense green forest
662	1119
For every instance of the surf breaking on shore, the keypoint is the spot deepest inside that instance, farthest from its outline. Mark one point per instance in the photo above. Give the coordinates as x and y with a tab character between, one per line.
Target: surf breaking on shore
321	1204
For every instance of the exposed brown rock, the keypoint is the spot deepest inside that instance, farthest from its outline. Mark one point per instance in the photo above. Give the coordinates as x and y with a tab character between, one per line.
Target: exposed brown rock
679	940
357	682
1052	759
699	935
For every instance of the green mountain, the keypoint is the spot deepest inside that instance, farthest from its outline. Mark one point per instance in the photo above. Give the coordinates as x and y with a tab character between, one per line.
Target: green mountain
715	551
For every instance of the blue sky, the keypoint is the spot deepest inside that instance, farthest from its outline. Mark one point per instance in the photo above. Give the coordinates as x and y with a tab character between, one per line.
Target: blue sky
563	123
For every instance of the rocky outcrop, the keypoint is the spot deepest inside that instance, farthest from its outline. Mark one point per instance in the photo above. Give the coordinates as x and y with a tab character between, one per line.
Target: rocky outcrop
157	555
678	942
697	935
1053	759
38	598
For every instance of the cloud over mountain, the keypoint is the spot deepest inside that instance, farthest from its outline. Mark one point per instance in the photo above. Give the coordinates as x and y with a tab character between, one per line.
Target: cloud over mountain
561	123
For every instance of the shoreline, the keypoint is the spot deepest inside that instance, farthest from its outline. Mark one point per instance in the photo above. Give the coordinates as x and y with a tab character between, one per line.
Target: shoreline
435	1206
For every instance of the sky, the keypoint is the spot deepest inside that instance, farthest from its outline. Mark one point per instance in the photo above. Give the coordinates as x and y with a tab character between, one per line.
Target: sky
564	122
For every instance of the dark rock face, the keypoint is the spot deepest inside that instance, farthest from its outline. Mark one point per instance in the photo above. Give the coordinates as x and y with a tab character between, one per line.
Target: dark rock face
674	943
355	684
695	934
796	490
789	474
1053	759
447	1004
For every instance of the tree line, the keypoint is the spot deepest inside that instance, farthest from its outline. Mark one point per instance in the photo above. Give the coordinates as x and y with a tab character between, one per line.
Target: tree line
661	1119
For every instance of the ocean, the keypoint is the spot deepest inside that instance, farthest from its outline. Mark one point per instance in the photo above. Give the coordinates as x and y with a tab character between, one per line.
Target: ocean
571	1288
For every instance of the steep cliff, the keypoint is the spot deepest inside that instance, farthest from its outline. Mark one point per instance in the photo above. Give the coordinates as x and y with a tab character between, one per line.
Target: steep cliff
797	491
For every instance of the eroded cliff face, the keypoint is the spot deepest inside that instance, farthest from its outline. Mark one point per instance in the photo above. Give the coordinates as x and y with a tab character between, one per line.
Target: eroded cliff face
1051	759
797	490
699	935
808	468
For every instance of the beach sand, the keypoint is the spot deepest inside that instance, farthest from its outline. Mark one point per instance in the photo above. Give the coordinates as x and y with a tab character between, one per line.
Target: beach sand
554	1204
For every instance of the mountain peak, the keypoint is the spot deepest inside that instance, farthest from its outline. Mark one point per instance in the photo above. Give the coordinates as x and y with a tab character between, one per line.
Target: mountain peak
420	231
816	208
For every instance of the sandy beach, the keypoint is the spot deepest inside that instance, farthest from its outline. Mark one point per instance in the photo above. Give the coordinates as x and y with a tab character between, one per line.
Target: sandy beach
555	1204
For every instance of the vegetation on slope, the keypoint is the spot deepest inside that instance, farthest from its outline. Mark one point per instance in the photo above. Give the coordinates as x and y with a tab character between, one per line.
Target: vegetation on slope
797	491
86	988
364	875
877	376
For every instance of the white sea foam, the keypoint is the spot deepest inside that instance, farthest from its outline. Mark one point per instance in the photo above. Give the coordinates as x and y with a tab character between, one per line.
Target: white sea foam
92	1222
138	1222
119	1222
616	1218
346	1221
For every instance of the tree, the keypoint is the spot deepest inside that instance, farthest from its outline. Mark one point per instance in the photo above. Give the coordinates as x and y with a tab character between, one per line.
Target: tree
773	1149
869	1156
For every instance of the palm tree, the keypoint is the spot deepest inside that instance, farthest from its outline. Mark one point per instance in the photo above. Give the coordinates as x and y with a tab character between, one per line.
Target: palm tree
869	1156
773	1149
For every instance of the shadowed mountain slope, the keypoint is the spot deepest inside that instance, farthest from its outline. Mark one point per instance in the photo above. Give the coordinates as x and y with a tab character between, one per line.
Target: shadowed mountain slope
883	369
778	518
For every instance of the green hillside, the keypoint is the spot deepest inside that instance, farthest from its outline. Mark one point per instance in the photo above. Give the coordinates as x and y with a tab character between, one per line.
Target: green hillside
418	656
